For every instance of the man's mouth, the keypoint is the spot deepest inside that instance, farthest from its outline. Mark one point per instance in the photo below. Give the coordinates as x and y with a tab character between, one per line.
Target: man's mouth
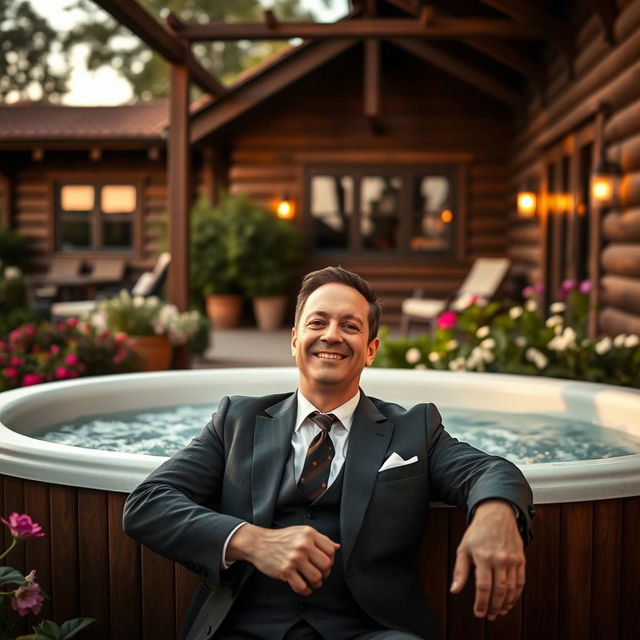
329	355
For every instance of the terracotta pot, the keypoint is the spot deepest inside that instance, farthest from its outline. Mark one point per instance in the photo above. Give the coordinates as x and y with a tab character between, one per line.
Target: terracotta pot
269	312
154	352
224	311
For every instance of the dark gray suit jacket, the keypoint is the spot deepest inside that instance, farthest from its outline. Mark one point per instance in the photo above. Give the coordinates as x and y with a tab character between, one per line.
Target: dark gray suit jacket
237	463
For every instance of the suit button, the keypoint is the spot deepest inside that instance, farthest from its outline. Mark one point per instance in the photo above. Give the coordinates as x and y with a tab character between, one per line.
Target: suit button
311	514
302	607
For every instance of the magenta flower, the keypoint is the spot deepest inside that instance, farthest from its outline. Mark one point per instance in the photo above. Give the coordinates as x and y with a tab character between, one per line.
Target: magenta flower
62	373
22	526
54	348
14	361
27	599
538	288
447	320
72	322
72	359
585	286
15	335
29	329
10	372
31	379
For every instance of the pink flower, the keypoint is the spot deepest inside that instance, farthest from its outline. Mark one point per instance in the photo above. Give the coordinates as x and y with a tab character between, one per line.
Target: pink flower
62	373
54	348
10	372
29	329
15	335
447	320
14	361
121	337
72	359
32	378
585	286
22	526
72	322
27	599
567	286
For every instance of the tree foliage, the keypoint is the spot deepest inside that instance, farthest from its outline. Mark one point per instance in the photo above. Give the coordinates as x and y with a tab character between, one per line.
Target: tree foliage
147	72
26	48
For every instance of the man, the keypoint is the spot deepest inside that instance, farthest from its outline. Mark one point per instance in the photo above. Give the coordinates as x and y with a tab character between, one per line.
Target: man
321	497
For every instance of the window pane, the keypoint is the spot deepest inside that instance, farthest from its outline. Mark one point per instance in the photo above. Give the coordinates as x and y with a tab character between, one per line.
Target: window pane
433	214
77	197
118	198
380	211
117	234
75	234
331	210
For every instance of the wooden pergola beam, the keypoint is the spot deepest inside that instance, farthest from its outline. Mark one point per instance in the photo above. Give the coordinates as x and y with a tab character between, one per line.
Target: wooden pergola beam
455	67
443	28
133	16
607	12
372	78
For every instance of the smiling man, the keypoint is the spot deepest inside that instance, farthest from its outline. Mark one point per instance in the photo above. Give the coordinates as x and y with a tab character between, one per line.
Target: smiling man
321	498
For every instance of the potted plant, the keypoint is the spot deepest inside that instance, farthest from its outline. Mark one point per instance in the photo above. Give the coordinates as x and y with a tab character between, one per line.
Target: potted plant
272	248
152	326
213	271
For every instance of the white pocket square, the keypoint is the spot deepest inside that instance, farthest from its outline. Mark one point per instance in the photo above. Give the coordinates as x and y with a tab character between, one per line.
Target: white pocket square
394	460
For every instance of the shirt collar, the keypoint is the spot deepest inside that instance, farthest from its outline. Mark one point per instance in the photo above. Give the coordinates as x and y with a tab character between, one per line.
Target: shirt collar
344	412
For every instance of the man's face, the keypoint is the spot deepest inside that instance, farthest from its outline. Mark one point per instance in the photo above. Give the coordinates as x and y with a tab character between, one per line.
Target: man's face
331	340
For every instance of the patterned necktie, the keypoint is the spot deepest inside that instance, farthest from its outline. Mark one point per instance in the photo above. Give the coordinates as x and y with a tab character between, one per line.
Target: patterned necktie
315	473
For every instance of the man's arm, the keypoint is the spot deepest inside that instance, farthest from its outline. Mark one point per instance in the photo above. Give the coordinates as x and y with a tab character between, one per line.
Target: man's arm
487	488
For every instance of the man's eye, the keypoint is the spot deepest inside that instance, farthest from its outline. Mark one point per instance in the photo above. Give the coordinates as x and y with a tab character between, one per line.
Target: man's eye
349	326
315	323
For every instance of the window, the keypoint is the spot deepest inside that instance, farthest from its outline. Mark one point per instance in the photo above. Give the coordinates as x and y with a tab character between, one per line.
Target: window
96	217
409	211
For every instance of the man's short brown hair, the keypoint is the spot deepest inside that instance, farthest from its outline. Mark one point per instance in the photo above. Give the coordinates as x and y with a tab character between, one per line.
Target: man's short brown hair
329	275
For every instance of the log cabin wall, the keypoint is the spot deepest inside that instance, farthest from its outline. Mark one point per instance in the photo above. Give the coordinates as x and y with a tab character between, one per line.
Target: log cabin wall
425	115
602	73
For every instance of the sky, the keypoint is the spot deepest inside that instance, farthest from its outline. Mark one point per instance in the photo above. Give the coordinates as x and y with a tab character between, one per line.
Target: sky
105	86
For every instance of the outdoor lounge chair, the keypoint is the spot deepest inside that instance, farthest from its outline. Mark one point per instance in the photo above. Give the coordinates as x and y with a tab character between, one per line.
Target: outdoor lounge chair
147	284
483	280
60	268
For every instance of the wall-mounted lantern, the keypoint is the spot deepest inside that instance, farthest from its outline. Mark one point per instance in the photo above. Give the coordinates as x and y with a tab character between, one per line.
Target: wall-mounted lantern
285	208
527	203
446	215
605	181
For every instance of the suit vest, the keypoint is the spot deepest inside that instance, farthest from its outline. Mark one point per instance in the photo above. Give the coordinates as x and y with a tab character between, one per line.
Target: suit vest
268	608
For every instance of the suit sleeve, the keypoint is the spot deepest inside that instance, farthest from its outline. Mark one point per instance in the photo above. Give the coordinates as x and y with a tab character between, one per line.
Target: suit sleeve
171	511
465	476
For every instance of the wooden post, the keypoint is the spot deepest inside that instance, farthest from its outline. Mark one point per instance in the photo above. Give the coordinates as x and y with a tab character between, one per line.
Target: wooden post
5	201
372	78
179	178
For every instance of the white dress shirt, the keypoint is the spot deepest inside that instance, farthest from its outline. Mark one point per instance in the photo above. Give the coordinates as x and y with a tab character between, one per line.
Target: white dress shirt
304	431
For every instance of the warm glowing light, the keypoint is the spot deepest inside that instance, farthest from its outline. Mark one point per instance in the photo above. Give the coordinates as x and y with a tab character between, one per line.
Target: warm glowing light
285	209
77	197
604	184
602	188
526	204
446	216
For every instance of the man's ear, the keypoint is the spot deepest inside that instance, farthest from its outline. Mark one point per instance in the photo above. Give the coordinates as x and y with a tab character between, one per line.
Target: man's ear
372	349
294	339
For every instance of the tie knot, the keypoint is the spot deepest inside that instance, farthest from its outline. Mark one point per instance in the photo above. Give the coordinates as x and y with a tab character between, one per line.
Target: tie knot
323	420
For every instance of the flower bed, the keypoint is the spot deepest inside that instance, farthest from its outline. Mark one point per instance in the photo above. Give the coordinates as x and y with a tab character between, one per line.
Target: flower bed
521	339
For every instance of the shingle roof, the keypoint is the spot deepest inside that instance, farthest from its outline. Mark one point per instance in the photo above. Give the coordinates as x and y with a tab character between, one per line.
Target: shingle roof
42	121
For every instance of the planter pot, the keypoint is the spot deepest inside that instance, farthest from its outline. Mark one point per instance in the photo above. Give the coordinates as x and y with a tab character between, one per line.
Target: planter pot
269	312
154	352
224	311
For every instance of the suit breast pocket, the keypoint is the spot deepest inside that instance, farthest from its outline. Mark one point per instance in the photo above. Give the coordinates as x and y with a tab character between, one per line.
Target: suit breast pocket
404	472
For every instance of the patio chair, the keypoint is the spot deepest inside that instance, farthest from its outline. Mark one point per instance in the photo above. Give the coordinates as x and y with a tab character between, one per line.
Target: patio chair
483	280
59	268
147	284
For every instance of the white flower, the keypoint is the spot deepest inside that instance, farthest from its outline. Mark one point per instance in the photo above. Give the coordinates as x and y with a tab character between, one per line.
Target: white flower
603	346
413	355
557	307
569	336
515	312
451	345
618	341
537	357
421	365
488	343
138	301
152	301
631	341
483	332
434	356
12	273
531	305
458	364
521	341
553	321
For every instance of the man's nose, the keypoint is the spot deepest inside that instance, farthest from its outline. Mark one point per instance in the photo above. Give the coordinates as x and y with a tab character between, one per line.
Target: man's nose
332	332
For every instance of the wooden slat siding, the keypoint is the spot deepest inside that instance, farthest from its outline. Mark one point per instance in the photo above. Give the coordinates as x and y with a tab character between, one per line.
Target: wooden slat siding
93	561
576	549
124	575
622	226
434	562
630	189
627	151
540	599
613	321
461	623
622	260
186	582
605	582
630	578
63	504
158	597
38	550
622	293
624	123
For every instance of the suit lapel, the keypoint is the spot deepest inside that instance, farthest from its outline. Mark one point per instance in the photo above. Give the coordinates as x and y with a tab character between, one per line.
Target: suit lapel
369	439
271	448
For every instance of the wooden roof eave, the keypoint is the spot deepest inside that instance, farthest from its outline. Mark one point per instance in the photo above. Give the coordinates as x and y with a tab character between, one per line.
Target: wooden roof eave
241	98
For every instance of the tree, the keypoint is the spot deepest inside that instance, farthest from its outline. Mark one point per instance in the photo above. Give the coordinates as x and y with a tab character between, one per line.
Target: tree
28	42
148	72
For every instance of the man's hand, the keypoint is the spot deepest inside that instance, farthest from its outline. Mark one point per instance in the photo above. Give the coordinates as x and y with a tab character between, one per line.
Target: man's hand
300	555
493	544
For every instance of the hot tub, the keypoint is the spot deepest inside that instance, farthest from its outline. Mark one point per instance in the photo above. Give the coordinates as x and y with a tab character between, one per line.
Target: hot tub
583	567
